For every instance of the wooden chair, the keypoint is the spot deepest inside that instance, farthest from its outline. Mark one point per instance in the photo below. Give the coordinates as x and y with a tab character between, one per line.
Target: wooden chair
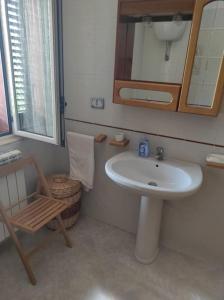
33	216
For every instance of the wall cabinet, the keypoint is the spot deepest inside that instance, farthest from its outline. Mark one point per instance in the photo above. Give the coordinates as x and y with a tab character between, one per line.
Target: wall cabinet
169	55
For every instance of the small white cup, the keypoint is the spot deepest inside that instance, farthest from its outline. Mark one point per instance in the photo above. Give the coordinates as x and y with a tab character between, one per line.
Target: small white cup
119	137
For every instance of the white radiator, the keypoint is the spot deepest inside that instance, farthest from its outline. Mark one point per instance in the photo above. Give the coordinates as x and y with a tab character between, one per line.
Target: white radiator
12	188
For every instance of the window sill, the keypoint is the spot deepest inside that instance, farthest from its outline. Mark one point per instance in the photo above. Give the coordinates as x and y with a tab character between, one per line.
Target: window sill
9	139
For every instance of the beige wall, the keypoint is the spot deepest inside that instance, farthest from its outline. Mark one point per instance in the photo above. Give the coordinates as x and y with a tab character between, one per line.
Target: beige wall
89	36
194	225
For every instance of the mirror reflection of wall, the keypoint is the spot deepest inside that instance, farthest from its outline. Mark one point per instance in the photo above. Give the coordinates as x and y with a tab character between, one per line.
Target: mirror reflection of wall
209	55
160	50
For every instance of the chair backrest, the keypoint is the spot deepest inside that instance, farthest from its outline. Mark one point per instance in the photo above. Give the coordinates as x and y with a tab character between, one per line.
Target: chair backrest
15	166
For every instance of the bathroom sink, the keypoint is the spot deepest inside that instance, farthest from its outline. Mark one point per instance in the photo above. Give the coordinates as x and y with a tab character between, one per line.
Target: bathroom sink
155	181
169	179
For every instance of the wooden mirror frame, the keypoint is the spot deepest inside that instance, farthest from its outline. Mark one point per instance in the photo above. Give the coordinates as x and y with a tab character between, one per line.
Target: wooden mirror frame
123	58
172	89
213	110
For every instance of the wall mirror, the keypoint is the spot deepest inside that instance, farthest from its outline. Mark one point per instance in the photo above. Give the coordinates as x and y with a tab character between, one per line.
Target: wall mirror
159	48
203	83
152	43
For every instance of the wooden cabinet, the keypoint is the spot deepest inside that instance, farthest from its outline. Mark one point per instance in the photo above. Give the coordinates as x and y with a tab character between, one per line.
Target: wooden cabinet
158	55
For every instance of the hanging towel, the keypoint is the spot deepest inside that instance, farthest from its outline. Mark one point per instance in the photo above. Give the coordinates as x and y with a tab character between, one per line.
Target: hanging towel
81	156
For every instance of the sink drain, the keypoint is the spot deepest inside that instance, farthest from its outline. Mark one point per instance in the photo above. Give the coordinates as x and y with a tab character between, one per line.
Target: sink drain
152	183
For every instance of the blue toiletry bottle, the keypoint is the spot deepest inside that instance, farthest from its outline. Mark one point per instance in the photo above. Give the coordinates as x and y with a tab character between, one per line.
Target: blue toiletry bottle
144	149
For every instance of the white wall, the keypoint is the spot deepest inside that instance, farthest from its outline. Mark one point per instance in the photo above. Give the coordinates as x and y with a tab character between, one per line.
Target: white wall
194	225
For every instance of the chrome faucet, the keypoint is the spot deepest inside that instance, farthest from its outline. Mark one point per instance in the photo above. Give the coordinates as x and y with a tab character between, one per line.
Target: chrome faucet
159	153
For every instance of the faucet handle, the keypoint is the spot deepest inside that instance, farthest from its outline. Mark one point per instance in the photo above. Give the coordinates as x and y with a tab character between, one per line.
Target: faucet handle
160	153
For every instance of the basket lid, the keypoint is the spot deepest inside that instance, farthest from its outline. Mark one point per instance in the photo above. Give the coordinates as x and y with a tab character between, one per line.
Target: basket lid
61	185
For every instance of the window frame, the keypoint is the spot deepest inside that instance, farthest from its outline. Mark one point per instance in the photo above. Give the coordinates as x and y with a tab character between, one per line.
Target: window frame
5	82
60	64
58	71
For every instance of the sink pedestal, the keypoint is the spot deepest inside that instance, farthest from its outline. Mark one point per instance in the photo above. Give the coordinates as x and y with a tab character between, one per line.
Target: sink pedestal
147	243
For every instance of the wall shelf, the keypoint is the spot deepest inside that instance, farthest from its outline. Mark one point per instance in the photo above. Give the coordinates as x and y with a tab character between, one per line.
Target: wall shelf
215	165
124	143
100	138
215	161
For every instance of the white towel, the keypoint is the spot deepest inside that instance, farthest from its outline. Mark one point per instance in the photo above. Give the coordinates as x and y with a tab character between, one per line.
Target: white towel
81	156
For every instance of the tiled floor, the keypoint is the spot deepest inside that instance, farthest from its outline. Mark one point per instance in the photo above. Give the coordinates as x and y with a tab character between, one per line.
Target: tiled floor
101	266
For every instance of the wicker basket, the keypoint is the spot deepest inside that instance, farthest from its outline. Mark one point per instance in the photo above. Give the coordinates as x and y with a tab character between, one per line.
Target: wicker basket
63	187
68	190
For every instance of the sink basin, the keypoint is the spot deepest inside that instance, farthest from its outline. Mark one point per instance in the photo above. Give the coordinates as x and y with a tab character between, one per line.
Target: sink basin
169	178
155	181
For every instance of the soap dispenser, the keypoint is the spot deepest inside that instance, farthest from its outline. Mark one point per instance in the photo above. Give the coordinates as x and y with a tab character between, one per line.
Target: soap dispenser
144	148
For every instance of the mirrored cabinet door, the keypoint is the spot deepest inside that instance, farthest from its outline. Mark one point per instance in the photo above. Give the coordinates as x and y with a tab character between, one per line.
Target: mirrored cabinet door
203	83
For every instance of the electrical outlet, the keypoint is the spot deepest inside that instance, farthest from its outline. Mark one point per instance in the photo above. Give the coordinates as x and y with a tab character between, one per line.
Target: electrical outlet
97	102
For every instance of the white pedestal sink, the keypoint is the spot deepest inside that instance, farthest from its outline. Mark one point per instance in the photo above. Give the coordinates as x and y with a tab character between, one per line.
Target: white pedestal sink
155	181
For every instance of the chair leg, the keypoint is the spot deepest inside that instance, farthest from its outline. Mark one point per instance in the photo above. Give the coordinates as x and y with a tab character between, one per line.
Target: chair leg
22	255
68	242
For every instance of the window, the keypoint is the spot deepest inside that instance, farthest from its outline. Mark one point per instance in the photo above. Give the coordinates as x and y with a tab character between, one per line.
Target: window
31	39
